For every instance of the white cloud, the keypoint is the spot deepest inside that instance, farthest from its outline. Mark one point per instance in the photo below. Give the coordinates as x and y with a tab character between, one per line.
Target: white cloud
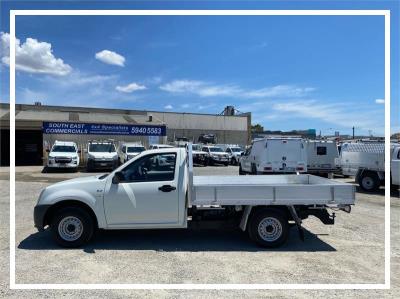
110	57
33	56
339	114
380	101
168	107
130	87
184	106
206	89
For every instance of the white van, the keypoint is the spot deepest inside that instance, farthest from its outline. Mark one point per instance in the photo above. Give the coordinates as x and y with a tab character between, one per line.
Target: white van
129	150
322	156
275	155
101	155
63	154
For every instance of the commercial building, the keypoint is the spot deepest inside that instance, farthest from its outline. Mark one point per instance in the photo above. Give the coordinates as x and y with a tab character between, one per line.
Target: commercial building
38	126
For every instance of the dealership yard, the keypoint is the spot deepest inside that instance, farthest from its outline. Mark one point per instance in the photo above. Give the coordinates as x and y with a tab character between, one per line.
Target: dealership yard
351	251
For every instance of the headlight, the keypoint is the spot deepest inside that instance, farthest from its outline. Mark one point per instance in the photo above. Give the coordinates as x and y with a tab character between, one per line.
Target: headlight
74	158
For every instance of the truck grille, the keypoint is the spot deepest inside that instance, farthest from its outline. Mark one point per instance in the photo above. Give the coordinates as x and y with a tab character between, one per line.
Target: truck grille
63	160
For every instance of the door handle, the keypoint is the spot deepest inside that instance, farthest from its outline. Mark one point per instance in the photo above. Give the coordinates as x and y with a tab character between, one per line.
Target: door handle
166	188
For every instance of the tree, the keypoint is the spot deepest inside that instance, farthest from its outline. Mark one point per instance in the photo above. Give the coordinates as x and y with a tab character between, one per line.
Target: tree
257	128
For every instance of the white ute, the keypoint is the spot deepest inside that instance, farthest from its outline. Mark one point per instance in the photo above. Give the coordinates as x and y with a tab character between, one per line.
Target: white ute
101	155
63	154
142	194
366	161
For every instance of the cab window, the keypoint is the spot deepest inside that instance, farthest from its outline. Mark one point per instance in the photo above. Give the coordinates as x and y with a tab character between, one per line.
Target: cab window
321	150
151	168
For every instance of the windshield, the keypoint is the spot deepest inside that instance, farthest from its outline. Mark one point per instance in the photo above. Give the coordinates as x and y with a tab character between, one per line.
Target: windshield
101	147
135	149
236	149
215	149
196	147
64	148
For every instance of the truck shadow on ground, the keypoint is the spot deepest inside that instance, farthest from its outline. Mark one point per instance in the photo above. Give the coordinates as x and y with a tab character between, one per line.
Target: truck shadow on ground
189	240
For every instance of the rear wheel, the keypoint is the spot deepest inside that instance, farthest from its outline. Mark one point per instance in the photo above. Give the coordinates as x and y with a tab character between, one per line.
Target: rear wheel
269	228
369	181
72	227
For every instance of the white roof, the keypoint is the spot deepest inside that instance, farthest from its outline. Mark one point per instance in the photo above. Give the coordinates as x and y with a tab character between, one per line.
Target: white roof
65	143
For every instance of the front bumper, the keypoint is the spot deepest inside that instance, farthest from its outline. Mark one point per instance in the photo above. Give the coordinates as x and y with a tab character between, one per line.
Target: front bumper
39	213
102	164
199	158
63	165
220	159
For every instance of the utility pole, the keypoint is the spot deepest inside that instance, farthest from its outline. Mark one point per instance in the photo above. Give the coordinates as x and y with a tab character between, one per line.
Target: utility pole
353	132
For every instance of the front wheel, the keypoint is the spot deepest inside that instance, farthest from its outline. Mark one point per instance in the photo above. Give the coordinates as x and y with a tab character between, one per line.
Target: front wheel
269	228
241	172
72	227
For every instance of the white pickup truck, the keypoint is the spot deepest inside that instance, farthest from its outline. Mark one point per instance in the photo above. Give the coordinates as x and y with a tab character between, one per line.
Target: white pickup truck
143	194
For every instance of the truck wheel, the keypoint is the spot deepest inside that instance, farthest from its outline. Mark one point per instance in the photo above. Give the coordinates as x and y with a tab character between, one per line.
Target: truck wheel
369	181
253	169
72	227
226	163
269	228
241	172
233	161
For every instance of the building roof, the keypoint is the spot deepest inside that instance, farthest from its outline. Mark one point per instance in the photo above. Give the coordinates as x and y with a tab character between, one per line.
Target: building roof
32	113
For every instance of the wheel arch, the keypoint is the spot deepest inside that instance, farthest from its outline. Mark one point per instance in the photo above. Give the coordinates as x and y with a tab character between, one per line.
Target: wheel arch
69	203
250	211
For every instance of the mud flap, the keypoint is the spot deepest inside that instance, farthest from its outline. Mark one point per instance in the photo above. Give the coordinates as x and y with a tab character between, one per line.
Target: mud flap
298	221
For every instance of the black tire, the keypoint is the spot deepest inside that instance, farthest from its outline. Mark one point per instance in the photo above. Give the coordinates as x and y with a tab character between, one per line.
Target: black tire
233	161
226	163
369	181
73	216
241	172
253	169
273	219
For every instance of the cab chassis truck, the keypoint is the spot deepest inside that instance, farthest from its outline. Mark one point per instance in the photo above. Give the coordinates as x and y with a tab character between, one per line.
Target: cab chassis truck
263	206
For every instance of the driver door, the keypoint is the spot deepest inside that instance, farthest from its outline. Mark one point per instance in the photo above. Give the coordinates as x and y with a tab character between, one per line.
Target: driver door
147	193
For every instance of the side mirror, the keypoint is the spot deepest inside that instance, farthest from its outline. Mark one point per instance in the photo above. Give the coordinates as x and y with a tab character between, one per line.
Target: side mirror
118	177
47	150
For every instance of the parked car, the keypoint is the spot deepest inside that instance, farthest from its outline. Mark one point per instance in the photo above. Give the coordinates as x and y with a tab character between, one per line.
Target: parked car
129	150
199	156
274	155
207	138
215	155
63	154
235	152
322	157
366	161
143	195
101	155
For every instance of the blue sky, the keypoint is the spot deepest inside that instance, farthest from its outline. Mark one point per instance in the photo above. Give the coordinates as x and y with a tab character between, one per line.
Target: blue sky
291	72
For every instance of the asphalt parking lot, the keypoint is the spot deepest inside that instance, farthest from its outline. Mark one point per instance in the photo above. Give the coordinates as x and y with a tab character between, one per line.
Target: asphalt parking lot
351	251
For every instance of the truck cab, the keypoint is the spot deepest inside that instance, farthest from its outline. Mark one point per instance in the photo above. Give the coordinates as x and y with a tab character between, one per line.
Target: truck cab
63	154
129	150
